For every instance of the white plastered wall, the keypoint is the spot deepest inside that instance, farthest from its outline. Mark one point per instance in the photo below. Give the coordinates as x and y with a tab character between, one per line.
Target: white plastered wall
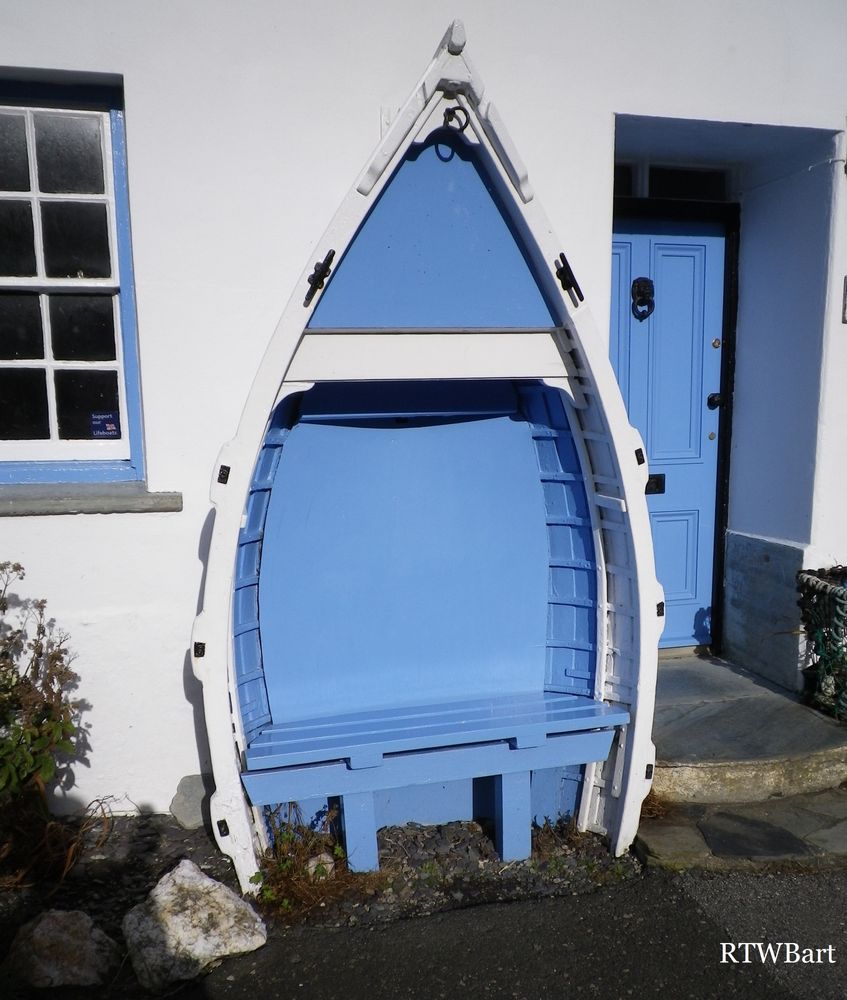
246	125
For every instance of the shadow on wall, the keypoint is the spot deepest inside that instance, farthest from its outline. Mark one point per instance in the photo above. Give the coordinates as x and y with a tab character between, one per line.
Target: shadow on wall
191	686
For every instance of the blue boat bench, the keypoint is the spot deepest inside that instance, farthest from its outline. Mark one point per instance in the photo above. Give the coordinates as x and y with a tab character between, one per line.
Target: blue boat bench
353	755
416	604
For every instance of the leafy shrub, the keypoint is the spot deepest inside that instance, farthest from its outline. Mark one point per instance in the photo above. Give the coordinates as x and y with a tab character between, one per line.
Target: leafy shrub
36	714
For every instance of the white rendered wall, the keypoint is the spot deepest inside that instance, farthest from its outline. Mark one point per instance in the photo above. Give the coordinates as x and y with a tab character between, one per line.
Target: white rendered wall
246	125
785	238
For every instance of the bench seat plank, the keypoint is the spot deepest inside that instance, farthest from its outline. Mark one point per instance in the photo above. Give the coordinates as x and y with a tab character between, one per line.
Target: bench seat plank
315	781
525	719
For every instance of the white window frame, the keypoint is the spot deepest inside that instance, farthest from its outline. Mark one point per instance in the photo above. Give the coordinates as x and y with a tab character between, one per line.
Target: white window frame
74	460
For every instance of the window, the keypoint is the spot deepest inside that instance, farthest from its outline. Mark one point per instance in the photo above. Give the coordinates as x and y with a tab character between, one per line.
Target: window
70	408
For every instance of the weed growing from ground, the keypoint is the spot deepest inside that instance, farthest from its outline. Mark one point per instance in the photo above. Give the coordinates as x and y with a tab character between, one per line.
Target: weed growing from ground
306	867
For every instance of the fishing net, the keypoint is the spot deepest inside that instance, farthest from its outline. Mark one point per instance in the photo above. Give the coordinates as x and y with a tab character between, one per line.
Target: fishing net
823	611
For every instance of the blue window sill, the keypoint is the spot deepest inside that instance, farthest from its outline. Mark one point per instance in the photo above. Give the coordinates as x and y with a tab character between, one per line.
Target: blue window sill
39	499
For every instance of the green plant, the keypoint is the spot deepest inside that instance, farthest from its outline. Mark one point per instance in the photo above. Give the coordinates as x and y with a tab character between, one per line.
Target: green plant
36	714
306	867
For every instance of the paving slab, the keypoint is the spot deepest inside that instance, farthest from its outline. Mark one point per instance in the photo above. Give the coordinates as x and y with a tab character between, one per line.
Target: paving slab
673	844
754	835
832	840
735	836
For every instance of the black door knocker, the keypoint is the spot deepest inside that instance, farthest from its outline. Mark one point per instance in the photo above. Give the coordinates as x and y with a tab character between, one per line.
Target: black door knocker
643	303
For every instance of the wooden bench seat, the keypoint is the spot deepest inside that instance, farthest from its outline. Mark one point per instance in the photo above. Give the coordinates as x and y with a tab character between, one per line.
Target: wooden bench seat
356	754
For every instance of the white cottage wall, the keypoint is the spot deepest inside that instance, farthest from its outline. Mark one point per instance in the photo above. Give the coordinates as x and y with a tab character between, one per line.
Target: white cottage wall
786	206
246	125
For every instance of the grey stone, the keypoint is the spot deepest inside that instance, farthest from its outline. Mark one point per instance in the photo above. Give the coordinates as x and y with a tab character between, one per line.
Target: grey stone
832	840
761	618
62	948
186	923
736	836
670	844
788	813
831	803
722	735
190	805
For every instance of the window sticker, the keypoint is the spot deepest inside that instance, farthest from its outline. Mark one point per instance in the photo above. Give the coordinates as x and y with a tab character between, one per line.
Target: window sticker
106	424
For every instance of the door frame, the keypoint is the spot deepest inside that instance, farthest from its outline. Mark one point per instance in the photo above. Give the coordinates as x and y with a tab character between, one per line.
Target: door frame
728	215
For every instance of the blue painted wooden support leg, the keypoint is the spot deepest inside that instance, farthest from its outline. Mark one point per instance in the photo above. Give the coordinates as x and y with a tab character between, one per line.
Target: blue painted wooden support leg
359	820
513	816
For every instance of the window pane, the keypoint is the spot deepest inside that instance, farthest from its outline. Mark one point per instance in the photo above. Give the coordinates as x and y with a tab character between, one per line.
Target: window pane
14	168
23	415
87	404
20	326
17	242
76	240
82	327
68	154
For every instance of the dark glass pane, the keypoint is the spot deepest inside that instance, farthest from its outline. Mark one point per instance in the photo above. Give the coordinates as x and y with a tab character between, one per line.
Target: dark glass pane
14	168
23	410
76	240
20	326
82	327
68	154
87	404
17	241
623	180
680	182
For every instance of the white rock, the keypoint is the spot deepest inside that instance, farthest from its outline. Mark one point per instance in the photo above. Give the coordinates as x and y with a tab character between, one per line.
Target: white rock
187	922
321	867
63	948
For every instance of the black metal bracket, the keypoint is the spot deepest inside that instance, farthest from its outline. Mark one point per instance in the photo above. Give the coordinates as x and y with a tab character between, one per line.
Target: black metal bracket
655	483
223	474
639	456
660	609
317	278
567	279
199	650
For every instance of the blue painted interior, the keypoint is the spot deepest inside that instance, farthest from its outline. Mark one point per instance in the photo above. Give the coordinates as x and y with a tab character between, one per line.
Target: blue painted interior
437	250
413	542
422	564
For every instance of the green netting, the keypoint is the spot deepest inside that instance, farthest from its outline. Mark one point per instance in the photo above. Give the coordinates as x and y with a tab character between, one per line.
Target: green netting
823	610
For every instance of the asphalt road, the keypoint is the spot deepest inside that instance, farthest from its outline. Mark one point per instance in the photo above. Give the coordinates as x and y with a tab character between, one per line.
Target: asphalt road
658	936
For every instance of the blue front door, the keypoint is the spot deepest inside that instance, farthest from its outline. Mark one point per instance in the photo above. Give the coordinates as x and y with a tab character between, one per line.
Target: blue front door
668	364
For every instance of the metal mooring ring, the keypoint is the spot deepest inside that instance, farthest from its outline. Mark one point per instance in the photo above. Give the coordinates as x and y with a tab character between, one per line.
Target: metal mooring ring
452	115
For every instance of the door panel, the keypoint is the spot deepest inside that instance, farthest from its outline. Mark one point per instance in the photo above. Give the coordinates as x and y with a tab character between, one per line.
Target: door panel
667	365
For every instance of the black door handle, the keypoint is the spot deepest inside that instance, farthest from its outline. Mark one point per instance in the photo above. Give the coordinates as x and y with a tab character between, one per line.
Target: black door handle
714	400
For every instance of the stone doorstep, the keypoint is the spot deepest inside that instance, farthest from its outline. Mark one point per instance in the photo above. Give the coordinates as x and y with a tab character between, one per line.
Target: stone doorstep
742	781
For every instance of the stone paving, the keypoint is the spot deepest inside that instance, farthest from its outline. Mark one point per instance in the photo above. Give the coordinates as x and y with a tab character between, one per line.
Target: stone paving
802	830
746	777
